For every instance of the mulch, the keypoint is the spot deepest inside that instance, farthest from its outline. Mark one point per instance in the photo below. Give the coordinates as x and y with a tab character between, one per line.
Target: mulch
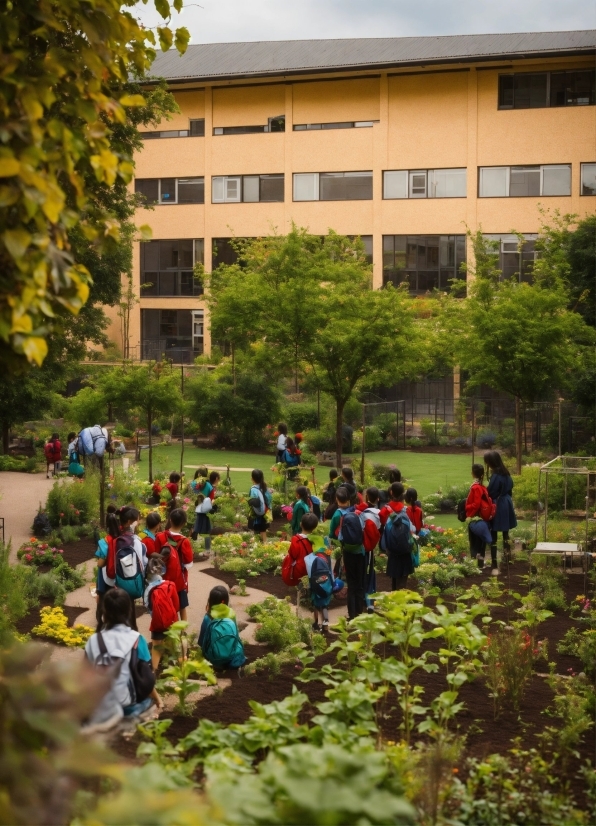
33	618
81	550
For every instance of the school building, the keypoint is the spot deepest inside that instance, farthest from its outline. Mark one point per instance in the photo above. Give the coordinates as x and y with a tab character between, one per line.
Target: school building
405	142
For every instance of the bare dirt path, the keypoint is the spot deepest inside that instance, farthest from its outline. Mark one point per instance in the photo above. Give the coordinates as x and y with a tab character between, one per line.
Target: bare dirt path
20	496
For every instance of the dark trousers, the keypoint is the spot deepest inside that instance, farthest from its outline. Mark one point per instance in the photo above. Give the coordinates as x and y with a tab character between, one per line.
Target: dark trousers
493	547
355	566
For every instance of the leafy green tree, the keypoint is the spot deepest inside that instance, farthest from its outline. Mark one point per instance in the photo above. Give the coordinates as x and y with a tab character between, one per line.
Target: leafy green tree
518	338
153	390
88	407
306	301
64	88
235	414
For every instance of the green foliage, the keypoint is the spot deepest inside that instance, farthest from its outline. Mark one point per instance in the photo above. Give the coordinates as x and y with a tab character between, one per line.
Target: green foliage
301	416
526	495
509	660
62	99
88	407
176	676
74	502
279	626
17	593
14	464
236	415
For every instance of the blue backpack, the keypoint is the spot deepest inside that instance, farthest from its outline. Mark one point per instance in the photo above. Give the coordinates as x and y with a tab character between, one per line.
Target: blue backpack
129	571
320	581
351	529
396	539
222	645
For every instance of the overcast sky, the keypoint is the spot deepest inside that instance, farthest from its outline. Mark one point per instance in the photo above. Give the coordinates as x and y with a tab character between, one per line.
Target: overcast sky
221	21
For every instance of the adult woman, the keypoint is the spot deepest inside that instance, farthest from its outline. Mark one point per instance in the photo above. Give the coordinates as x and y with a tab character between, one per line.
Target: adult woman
113	645
500	486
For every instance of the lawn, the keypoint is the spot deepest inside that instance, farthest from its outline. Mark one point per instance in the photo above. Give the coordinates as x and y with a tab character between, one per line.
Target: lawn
427	472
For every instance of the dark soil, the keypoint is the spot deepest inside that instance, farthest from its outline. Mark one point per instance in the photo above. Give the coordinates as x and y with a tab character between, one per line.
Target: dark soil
33	618
81	550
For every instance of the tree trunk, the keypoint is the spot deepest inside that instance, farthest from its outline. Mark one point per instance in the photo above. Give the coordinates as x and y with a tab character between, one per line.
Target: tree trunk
234	367
149	427
5	437
518	437
339	424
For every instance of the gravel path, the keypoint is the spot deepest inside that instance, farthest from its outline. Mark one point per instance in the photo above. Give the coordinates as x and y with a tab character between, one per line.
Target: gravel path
20	497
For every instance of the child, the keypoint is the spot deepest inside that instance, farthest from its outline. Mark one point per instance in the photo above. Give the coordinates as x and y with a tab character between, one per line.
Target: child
103	581
127	557
75	468
384	496
500	487
172	487
372	534
413	509
347	474
282	438
219	638
72	445
301	506
352	549
399	559
162	602
214	479
329	493
320	575
477	504
293	566
156	490
147	537
291	457
203	503
177	551
116	643
48	450
259	500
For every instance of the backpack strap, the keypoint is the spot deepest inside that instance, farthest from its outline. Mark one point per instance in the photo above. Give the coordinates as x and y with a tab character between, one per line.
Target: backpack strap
102	644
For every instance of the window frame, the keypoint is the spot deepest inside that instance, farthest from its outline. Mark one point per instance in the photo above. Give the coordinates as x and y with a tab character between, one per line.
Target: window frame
241	188
416	273
198	257
548	101
257	129
328	125
317	180
581	180
158	134
540	167
429	177
175	202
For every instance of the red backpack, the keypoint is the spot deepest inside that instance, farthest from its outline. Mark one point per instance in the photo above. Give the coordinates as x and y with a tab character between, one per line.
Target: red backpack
48	450
293	568
488	508
163	599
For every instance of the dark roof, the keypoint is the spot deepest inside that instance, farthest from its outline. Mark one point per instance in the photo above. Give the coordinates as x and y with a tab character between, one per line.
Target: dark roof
224	61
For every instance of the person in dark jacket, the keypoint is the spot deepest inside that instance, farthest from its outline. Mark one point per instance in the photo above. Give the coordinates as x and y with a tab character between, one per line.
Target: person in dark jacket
500	487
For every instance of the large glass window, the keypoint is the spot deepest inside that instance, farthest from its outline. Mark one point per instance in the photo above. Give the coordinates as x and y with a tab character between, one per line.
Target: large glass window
171	190
424	183
424	262
333	186
275	124
350	124
588	186
167	267
533	90
224	251
227	189
172	334
514	260
524	181
196	129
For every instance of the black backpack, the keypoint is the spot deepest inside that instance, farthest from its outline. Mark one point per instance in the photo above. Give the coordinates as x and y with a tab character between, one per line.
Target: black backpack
41	524
461	510
396	539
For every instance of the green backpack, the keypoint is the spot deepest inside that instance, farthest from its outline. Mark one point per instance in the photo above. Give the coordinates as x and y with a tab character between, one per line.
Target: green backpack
222	645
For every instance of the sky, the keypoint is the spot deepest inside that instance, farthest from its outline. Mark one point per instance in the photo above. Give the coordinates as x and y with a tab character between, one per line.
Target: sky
225	21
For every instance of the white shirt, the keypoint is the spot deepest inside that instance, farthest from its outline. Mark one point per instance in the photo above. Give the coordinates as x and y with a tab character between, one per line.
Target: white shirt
281	441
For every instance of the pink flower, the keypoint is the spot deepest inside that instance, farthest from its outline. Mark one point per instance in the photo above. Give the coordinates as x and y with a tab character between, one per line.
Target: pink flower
60	552
28	557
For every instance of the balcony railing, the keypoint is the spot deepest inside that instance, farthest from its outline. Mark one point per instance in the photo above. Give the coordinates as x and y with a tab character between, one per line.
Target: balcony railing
179	349
170	284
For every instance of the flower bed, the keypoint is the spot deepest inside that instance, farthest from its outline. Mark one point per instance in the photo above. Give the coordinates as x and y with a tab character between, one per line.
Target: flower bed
36	552
54	626
243	555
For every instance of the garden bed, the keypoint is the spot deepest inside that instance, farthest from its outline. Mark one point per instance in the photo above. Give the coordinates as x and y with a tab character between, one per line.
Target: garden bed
81	550
33	618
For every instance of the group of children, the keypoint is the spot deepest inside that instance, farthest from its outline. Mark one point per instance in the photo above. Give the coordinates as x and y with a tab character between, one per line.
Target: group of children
391	521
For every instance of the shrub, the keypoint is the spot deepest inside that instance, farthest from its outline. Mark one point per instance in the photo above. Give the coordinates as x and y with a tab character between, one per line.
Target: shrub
525	491
279	626
387	424
486	438
74	503
16	593
381	472
320	440
301	416
427	426
374	439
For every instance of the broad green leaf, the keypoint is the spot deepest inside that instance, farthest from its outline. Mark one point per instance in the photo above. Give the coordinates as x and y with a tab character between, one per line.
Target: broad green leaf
165	38
163	7
182	39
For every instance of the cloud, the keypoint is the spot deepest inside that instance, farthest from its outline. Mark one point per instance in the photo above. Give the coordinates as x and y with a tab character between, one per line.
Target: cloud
221	21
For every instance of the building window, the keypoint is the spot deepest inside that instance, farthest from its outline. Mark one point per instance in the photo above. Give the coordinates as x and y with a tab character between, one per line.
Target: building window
276	124
424	183
196	129
171	190
536	90
233	189
172	334
350	124
167	267
514	261
224	251
424	262
333	186
524	181
588	186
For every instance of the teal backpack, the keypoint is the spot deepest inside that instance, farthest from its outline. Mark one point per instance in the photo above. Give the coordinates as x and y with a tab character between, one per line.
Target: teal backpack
222	645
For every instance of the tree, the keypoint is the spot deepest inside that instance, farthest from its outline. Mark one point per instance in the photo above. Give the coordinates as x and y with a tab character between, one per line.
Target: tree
518	338
64	76
153	390
233	412
312	306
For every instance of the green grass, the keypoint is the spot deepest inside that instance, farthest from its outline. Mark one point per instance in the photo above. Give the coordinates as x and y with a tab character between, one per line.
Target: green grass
427	472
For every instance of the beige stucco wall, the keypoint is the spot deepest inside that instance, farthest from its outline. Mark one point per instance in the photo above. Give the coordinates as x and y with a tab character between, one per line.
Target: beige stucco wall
429	119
